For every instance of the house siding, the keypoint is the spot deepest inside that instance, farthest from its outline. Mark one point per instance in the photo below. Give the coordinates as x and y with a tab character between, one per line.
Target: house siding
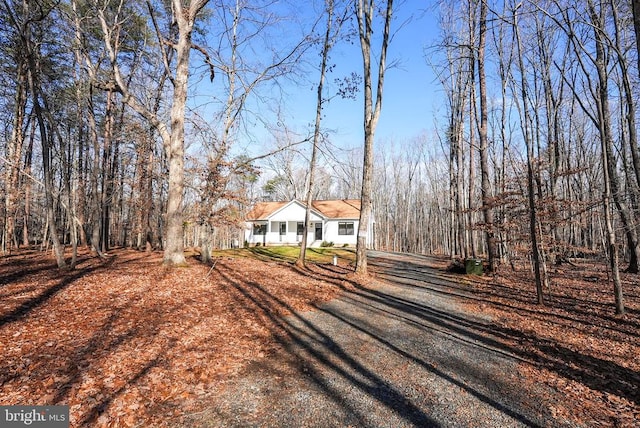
329	234
292	213
337	239
291	236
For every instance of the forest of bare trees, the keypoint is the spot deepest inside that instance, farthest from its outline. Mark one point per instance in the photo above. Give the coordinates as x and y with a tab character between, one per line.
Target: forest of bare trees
553	85
102	145
534	158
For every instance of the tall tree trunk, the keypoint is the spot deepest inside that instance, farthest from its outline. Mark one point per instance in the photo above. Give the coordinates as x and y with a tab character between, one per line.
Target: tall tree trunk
96	206
174	249
612	187
635	6
629	114
504	67
457	97
28	160
552	110
485	184
473	107
366	11
172	137
14	155
526	123
106	182
148	201
463	242
326	47
81	112
68	167
81	188
45	138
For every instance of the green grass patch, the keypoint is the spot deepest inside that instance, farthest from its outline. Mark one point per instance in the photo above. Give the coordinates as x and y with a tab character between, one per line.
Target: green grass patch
289	254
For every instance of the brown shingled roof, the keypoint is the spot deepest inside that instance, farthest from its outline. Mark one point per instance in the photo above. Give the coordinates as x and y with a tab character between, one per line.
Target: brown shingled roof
335	208
340	208
262	210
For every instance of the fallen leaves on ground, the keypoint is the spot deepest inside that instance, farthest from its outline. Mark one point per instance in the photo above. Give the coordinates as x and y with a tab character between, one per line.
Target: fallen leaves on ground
127	342
574	343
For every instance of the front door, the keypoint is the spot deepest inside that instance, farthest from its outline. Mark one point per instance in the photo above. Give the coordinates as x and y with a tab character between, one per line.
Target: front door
318	232
283	229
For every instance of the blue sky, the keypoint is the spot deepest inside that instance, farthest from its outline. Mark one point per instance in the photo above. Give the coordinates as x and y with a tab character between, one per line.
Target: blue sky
411	97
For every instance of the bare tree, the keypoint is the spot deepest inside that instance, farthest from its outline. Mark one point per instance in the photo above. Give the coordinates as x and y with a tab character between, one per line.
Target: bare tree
604	127
635	6
45	122
327	44
172	136
629	121
526	132
455	77
15	144
365	12
485	184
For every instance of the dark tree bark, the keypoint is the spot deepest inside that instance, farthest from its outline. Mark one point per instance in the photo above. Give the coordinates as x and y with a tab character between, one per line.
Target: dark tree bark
46	140
28	161
612	186
96	206
629	116
635	5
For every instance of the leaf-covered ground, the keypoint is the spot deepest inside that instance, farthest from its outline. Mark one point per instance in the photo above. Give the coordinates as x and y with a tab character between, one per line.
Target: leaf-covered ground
575	342
127	342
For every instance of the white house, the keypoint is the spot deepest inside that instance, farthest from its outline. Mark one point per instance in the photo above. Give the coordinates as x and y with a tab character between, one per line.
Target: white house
281	223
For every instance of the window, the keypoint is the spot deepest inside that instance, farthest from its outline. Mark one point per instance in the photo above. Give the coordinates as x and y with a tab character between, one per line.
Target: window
300	228
259	229
345	228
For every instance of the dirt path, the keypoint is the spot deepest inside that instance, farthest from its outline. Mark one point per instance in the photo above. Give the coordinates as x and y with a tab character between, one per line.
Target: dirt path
402	353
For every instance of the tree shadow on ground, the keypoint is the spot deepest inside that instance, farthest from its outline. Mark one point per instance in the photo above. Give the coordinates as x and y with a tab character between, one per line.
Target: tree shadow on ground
575	310
320	349
28	262
85	360
312	346
69	363
596	373
44	294
266	254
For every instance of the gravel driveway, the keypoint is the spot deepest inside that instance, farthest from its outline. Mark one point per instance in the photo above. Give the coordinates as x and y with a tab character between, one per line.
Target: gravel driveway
400	354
